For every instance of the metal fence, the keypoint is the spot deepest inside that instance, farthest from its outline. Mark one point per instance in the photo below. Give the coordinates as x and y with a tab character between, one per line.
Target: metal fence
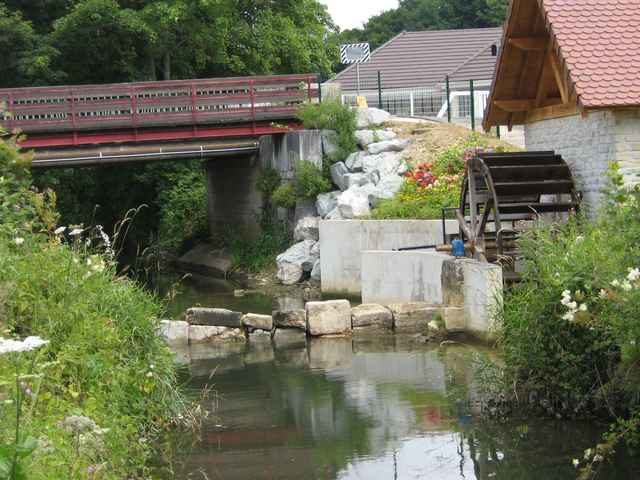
446	101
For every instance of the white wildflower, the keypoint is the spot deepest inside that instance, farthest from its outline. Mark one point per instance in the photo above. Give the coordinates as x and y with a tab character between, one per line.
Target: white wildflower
579	239
75	232
18	241
569	316
615	283
60	230
149	374
583	307
598	458
603	294
572	305
30	343
576	462
626	286
634	274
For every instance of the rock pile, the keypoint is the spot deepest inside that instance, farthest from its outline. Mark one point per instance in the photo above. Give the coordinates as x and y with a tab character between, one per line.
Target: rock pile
364	178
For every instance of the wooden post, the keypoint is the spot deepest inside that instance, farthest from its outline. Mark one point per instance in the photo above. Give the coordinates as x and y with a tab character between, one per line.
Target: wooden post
448	88
472	107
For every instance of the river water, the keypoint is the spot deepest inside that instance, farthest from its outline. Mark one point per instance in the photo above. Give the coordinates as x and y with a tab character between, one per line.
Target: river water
385	408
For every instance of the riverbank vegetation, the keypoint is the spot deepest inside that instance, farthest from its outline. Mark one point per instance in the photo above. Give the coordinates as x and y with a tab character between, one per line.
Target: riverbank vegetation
93	400
571	336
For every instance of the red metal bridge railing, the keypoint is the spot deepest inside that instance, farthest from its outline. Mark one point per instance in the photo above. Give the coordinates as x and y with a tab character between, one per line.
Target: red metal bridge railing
47	110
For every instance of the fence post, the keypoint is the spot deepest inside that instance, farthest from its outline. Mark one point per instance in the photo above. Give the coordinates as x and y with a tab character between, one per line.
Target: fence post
448	100
411	105
472	109
379	90
498	131
319	88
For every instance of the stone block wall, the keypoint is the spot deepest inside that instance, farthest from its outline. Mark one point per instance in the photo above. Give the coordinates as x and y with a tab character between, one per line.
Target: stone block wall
588	144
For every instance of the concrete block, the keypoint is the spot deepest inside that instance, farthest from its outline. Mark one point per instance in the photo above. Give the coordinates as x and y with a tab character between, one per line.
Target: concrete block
454	319
414	317
258	322
206	334
483	293
175	333
402	277
214	317
371	316
453	282
343	241
329	318
260	339
291	319
289	338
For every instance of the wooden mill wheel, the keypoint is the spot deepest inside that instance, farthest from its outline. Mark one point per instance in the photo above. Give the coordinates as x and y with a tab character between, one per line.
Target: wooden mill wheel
478	206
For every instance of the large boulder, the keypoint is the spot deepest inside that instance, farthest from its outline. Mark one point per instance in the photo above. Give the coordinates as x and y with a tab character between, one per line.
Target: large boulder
388	146
338	173
315	273
413	317
326	202
371	316
328	318
293	263
329	142
354	161
359	179
386	189
304	208
307	228
387	163
371	117
290	319
174	333
214	317
335	214
206	334
354	203
253	321
365	138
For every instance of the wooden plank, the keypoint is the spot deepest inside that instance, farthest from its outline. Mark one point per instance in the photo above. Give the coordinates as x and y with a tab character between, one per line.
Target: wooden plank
552	111
530	207
529	43
513	106
531	172
538	187
559	77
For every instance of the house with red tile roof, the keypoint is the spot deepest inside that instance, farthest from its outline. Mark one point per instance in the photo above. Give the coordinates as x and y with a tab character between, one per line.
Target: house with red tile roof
569	71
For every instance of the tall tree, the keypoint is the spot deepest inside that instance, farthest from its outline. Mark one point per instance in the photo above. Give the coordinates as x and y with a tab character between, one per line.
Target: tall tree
27	58
99	42
42	13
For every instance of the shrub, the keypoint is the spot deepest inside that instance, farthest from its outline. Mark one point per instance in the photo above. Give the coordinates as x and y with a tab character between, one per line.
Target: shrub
268	181
183	210
570	331
284	196
310	181
259	253
332	115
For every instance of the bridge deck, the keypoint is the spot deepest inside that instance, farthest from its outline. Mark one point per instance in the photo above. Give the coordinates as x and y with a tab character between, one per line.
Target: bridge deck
51	111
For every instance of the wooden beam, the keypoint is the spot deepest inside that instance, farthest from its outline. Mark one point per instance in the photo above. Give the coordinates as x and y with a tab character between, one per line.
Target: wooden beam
529	44
514	105
553	111
560	78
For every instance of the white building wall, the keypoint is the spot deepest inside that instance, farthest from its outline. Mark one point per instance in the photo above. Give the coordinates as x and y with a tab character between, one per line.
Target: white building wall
588	144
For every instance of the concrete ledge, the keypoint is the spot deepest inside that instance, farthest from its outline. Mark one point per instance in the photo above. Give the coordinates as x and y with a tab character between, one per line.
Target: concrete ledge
483	294
402	277
343	241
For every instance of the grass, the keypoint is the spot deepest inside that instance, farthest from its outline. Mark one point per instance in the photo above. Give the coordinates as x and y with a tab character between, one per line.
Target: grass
104	361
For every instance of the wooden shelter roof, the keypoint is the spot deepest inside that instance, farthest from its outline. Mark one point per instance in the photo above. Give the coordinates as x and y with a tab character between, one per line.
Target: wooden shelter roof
560	57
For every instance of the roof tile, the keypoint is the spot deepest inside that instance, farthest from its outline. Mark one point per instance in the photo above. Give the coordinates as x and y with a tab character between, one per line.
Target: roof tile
600	41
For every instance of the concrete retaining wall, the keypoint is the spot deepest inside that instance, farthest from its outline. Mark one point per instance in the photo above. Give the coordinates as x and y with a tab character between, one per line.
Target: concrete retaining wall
395	277
343	241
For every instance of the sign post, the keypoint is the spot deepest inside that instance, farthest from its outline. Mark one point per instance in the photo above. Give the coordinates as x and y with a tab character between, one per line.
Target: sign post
355	53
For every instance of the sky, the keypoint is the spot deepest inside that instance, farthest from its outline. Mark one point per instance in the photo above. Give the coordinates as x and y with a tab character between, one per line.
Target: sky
353	13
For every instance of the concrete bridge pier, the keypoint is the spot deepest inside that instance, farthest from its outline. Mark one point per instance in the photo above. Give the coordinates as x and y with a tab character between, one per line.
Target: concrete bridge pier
233	196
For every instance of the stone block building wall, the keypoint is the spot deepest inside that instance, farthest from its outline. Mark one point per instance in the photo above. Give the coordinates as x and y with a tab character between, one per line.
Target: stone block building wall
588	144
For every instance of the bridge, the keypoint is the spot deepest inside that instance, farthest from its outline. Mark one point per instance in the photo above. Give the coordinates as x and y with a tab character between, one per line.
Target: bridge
90	125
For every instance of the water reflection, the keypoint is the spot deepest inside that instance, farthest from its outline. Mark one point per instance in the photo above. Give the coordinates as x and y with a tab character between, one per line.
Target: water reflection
343	409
